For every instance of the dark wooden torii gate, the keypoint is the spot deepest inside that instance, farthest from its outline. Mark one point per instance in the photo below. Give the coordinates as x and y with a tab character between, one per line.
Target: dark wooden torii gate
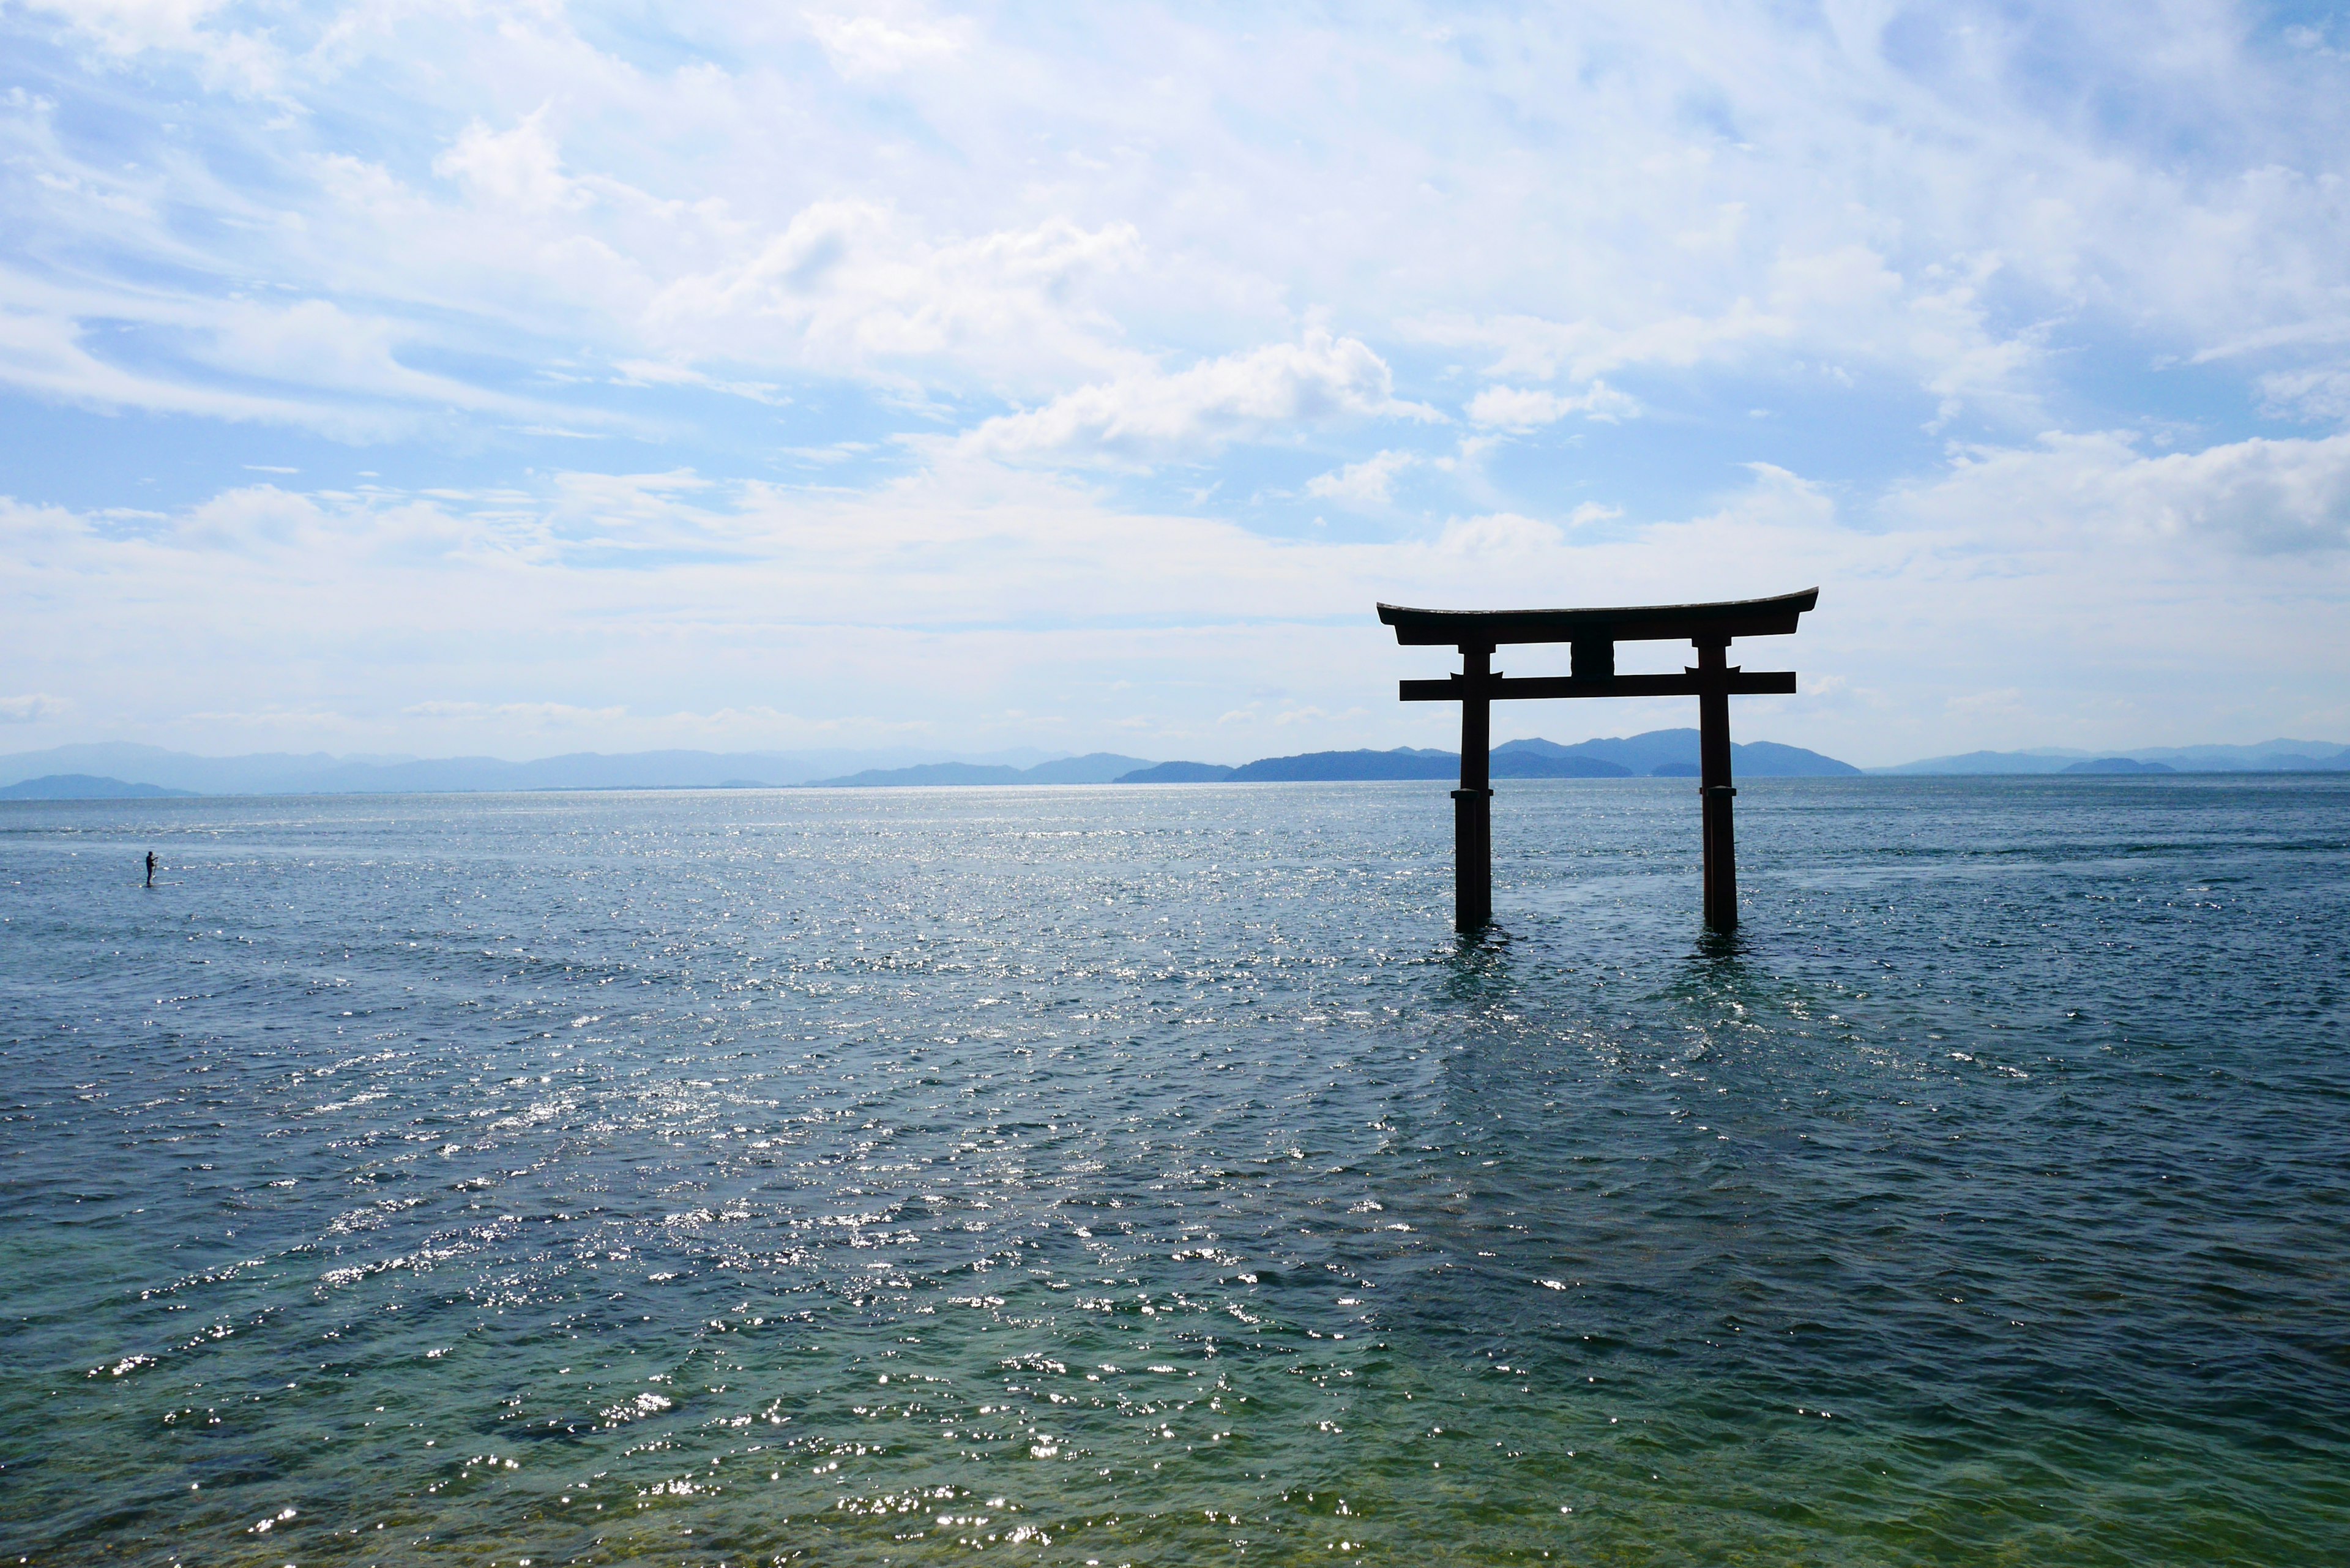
1594	633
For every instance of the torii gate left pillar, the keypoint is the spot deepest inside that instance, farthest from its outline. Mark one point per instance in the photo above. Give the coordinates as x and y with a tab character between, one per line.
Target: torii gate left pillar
1594	633
1472	802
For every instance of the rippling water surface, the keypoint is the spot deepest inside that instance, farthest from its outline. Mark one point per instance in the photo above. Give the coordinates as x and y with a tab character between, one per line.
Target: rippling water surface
1134	1175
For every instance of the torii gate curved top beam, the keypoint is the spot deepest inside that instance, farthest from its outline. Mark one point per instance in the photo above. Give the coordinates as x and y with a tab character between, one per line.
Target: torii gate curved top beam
1594	633
1631	623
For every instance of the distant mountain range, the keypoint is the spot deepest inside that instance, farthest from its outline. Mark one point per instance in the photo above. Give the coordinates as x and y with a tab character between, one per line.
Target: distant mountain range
115	771
115	767
1659	753
2269	756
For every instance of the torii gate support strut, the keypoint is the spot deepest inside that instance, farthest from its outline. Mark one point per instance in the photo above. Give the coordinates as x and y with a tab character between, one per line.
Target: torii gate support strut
1593	633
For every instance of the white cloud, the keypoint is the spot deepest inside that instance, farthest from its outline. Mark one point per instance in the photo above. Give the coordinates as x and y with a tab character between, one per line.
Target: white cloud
1370	483
2268	497
871	45
303	362
2318	394
31	708
1499	534
316	344
240	62
656	373
854	287
48	354
1846	301
2322	333
526	716
1265	393
1513	409
1585	349
521	168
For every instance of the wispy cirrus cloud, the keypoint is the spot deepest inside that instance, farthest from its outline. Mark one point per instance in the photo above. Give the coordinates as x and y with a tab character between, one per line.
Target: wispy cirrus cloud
1518	409
525	716
855	285
237	60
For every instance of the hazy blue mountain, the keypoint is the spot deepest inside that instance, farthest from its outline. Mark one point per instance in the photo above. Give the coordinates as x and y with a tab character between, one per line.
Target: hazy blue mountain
2118	766
2279	755
1770	759
922	775
1403	762
1178	772
1990	762
1669	752
1673	754
1095	767
1515	762
2268	757
89	786
1634	754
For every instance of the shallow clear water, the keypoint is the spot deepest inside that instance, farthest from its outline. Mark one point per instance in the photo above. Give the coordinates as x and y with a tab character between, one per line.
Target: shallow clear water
1147	1175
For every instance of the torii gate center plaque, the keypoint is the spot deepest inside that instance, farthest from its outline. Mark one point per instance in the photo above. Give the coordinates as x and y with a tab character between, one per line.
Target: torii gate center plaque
1594	633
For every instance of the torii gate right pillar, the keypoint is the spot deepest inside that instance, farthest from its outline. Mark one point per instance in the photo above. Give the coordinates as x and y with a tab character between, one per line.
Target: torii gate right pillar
1714	788
1472	802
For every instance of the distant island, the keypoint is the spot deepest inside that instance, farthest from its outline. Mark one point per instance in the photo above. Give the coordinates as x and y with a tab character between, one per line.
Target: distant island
2118	766
88	786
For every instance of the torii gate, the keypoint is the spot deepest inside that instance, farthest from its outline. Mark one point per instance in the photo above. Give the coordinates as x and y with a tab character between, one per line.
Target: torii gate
1594	633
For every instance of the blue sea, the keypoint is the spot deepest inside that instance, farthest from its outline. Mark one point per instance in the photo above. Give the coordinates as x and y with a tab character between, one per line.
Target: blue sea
1135	1175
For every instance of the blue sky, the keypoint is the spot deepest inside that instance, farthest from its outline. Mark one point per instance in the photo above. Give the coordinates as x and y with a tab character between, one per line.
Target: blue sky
525	378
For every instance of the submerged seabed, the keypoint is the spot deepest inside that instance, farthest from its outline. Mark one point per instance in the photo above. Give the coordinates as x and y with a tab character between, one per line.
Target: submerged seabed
1147	1175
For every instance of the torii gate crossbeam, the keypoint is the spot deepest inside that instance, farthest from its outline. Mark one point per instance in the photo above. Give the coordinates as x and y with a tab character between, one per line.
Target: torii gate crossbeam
1593	633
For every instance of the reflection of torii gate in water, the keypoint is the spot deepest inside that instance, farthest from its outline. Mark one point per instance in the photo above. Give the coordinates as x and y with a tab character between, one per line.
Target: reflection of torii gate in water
1594	633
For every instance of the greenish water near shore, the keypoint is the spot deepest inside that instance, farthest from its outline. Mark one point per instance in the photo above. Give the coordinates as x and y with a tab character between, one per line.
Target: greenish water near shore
1149	1176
